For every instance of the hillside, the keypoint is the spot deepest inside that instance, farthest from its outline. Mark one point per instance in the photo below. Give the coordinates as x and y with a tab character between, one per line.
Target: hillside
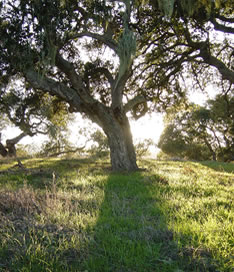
75	215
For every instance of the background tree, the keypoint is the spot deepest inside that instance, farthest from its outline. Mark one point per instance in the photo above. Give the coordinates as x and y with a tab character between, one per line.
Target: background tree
33	113
177	143
202	132
143	147
43	42
222	115
99	147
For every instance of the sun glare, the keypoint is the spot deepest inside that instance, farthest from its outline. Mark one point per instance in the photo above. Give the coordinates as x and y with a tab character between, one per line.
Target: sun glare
149	126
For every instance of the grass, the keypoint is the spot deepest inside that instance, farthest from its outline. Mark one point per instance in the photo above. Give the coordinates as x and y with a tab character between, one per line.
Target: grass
75	215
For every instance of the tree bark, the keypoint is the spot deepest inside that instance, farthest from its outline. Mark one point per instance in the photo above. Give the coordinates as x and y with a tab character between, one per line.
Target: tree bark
3	151
122	152
210	148
9	150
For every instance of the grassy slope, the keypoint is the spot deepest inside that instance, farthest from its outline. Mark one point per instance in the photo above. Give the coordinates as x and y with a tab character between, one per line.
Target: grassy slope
176	216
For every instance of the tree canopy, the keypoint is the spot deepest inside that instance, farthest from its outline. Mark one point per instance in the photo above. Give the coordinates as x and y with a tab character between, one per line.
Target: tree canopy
107	59
33	113
202	132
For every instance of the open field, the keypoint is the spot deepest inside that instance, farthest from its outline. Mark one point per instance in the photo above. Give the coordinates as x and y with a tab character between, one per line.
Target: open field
75	215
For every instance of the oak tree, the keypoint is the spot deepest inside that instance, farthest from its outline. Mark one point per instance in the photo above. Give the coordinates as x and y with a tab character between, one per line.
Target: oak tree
202	132
106	59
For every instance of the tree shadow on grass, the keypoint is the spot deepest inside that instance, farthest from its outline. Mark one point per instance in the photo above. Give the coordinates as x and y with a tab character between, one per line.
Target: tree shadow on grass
131	232
219	166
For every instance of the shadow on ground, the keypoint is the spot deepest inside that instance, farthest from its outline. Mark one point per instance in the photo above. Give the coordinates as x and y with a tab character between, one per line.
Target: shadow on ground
220	166
131	232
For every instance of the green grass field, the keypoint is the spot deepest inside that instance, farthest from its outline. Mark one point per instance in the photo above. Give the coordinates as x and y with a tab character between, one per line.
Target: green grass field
75	215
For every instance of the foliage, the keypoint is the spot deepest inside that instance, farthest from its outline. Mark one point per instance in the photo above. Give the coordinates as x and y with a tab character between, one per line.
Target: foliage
74	215
176	143
56	145
23	151
4	121
143	146
190	8
202	132
222	113
33	112
99	147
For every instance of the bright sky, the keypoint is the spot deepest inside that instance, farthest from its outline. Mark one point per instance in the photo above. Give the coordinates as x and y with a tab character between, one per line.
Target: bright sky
199	97
149	126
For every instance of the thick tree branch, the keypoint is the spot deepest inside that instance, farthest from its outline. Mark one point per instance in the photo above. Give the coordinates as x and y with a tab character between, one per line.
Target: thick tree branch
53	87
3	151
223	28
78	99
9	149
68	68
78	149
138	106
117	90
105	39
205	54
133	102
223	69
16	139
225	19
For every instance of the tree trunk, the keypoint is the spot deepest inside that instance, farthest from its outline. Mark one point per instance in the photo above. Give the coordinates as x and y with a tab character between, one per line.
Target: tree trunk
122	151
9	150
210	148
10	145
3	151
